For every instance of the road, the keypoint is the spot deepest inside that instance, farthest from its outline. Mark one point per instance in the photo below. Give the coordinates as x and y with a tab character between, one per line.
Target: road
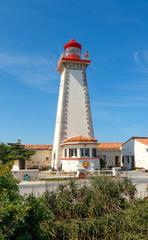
39	187
140	179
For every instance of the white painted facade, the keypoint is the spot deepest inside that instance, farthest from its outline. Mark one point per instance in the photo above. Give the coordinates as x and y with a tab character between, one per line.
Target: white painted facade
134	154
76	113
132	150
128	151
73	112
112	158
77	161
58	126
75	165
141	155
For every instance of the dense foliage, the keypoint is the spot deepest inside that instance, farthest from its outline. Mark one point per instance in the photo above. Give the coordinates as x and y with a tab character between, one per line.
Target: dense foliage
105	210
11	152
6	153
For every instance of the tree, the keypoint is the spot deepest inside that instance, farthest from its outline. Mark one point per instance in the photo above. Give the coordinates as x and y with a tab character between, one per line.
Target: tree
14	151
6	153
7	157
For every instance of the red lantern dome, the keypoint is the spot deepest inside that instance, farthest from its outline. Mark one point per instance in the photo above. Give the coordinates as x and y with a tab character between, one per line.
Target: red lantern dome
72	43
72	50
72	53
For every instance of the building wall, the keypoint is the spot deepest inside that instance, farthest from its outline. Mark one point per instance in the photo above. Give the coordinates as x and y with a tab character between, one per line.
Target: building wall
78	146
75	165
73	112
138	151
141	155
78	115
128	150
59	132
129	147
41	159
20	174
109	156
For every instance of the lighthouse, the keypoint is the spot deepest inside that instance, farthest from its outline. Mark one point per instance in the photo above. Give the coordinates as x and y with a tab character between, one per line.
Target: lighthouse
73	129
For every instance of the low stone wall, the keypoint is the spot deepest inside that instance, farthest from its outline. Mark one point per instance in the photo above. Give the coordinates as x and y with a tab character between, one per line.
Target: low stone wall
19	174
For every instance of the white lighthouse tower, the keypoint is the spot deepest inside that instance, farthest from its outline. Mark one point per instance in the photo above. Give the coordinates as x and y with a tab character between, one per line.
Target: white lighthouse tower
73	119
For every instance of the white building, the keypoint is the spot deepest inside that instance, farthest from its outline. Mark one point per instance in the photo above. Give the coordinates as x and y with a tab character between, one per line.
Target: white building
135	153
80	153
73	112
110	154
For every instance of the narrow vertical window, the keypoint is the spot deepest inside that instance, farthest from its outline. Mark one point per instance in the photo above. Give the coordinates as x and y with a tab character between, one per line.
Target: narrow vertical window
75	152
72	152
86	152
65	154
82	152
94	152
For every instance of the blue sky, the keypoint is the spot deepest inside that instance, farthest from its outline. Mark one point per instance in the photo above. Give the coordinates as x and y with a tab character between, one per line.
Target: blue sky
32	35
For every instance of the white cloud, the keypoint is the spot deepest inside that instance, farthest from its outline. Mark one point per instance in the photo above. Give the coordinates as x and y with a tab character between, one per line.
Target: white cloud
136	58
141	60
38	72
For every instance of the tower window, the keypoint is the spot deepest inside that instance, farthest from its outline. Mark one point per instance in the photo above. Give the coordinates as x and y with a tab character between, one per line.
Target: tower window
94	152
65	153
72	152
87	152
84	152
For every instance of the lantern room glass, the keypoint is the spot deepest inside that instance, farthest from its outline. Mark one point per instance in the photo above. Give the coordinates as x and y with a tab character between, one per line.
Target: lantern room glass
72	51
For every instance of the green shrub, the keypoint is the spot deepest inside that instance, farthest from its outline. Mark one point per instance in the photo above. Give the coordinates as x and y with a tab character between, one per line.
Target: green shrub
105	210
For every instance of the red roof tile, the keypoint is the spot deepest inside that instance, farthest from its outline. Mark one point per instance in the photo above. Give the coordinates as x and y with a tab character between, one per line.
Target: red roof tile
38	146
80	139
142	140
110	145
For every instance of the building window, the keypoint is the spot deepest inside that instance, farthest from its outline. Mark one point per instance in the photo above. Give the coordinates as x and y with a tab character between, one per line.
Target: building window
47	158
125	160
65	153
102	162
73	152
117	164
94	152
84	152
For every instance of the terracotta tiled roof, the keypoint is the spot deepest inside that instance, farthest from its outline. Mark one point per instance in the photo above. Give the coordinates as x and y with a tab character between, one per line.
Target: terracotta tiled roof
109	145
142	140
38	146
80	139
